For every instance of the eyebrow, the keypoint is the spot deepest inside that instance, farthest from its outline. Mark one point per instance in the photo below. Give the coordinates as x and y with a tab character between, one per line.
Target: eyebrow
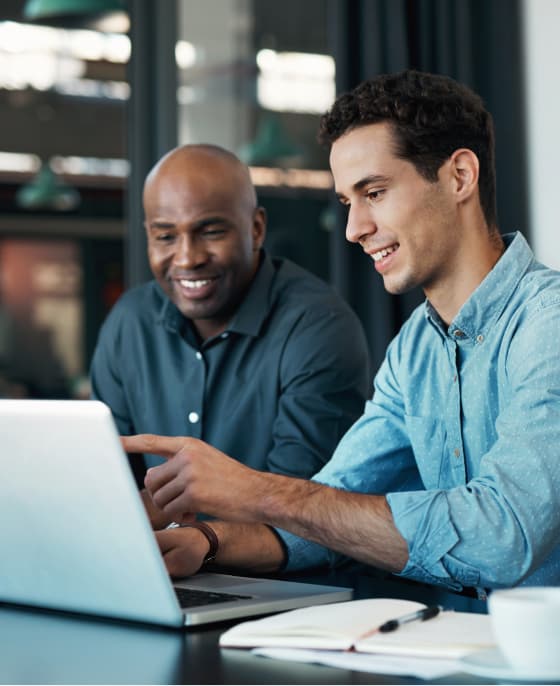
373	178
161	225
366	181
158	224
209	220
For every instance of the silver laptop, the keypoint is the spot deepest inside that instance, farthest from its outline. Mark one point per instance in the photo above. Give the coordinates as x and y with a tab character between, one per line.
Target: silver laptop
74	535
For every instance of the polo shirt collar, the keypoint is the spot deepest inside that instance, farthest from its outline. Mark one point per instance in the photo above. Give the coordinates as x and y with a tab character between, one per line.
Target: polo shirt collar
476	317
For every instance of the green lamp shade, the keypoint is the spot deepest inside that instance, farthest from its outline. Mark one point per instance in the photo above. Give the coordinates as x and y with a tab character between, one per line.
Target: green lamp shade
270	146
69	13
47	192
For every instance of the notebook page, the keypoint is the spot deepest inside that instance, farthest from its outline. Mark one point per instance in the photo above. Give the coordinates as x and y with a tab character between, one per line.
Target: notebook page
450	634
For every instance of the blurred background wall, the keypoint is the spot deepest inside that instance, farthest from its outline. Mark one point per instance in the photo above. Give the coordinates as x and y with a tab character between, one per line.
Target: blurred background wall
92	93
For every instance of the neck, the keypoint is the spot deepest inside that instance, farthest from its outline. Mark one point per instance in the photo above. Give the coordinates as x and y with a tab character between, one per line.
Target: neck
475	261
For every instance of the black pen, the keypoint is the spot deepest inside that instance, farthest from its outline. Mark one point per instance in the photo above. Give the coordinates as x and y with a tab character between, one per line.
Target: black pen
419	616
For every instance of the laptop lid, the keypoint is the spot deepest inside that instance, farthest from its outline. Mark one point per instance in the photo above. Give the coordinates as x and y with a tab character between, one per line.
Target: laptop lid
75	537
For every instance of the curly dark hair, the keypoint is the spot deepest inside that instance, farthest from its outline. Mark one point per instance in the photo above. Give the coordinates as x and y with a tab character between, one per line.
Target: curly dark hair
431	116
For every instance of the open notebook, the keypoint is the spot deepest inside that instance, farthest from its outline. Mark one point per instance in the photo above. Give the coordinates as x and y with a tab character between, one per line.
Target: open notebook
74	534
352	626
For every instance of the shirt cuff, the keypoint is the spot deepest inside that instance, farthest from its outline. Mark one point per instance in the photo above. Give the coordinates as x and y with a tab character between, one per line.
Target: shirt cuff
424	521
302	554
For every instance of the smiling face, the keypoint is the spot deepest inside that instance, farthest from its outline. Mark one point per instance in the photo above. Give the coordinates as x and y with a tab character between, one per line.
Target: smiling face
408	225
204	233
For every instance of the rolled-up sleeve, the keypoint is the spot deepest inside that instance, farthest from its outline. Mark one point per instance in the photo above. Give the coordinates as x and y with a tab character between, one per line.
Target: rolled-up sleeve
503	525
490	518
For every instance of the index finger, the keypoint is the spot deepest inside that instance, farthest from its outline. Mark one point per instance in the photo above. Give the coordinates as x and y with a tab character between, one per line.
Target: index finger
164	446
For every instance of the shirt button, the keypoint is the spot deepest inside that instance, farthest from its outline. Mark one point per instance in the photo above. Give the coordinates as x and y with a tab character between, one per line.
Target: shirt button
455	378
198	356
479	338
193	417
457	452
225	335
458	333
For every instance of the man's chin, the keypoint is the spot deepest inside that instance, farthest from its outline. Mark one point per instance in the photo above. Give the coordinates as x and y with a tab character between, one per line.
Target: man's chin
397	287
208	311
195	311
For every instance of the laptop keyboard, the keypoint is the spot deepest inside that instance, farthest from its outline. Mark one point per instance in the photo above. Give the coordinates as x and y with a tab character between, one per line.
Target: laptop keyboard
191	597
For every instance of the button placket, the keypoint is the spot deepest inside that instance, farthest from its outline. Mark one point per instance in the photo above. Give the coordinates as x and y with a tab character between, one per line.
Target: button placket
194	410
453	413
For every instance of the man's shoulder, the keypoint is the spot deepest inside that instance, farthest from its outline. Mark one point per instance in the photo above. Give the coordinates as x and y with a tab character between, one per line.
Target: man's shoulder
140	302
295	287
541	284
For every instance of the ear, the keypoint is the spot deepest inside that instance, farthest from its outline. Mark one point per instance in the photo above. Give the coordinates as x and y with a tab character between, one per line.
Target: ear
259	228
464	168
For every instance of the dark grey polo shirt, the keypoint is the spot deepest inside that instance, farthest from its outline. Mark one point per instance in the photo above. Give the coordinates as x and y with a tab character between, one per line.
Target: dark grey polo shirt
276	390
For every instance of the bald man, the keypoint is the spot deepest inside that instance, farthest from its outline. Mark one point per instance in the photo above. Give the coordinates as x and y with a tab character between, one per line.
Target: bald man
252	354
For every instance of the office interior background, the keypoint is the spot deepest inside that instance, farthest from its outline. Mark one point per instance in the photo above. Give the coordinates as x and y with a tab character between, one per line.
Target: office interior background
89	102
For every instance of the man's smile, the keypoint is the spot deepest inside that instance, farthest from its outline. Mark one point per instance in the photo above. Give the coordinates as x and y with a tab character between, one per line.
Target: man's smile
380	254
198	283
197	289
382	257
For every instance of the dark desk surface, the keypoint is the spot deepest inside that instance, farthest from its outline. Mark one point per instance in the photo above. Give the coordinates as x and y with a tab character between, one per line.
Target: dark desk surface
52	648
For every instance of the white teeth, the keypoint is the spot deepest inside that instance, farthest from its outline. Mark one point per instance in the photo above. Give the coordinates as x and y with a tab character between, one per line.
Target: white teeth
194	284
383	253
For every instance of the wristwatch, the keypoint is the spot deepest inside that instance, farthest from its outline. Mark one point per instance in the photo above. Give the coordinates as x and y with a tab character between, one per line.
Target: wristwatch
211	537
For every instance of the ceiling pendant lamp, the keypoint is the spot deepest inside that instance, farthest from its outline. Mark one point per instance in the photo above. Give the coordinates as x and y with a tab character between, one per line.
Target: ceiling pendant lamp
47	192
71	13
271	145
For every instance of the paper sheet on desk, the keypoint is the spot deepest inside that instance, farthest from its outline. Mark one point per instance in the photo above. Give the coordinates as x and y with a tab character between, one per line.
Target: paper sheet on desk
419	667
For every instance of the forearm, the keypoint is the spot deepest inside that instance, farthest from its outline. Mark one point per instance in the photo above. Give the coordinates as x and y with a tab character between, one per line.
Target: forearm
357	525
198	478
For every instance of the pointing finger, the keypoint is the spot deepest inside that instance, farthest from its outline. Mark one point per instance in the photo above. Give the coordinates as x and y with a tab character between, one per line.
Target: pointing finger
165	446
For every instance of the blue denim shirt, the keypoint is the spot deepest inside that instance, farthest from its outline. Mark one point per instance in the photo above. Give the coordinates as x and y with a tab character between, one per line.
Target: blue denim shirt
463	435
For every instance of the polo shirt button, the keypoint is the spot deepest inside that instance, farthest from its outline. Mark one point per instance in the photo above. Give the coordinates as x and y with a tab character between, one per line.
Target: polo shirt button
198	356
193	417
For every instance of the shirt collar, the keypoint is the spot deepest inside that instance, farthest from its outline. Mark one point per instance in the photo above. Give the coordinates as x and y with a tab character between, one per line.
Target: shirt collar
254	308
251	313
476	317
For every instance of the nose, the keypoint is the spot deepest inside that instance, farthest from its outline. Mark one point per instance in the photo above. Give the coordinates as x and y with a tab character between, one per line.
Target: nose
360	223
189	252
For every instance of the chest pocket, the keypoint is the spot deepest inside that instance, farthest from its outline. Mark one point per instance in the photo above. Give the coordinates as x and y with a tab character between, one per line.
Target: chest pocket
427	437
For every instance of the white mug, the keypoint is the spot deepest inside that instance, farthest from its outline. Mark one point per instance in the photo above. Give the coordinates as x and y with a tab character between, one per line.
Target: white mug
526	624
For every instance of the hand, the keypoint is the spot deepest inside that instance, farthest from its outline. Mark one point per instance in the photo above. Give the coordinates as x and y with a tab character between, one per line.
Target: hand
183	550
158	518
196	478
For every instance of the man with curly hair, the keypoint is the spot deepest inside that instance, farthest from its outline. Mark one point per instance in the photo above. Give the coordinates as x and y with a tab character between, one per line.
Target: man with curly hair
452	474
